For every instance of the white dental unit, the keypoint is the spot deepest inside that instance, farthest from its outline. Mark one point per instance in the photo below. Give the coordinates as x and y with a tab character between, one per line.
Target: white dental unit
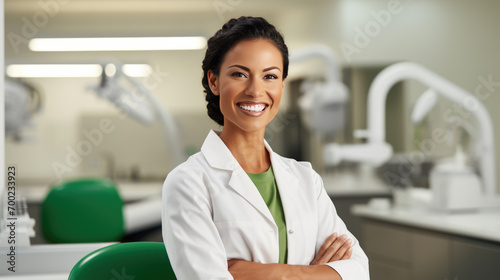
449	232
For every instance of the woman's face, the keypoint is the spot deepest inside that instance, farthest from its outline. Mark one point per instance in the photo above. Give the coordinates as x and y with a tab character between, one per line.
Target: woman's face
250	84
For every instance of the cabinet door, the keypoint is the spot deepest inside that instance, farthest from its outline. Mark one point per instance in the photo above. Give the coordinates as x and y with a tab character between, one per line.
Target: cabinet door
387	241
383	270
388	250
430	256
475	260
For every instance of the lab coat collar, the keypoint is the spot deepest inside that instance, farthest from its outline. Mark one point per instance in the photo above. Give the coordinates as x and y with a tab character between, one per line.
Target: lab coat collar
219	156
216	152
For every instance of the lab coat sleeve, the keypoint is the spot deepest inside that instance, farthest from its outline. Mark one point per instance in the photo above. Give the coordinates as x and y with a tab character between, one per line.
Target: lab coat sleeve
193	245
355	268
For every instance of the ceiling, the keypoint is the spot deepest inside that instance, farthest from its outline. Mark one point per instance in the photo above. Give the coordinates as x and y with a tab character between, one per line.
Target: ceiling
13	7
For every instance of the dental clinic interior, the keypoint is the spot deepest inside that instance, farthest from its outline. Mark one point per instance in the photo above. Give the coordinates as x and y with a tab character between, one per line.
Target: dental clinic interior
395	103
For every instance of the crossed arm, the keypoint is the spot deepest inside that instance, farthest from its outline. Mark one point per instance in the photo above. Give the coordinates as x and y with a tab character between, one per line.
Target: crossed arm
191	239
335	248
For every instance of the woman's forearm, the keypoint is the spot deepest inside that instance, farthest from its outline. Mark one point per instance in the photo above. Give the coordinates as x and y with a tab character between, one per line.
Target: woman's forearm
313	272
243	270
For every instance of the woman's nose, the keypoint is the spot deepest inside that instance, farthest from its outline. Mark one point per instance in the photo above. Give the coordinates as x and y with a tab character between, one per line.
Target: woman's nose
255	88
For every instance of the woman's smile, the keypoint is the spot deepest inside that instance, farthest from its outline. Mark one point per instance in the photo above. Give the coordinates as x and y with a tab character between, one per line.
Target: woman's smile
252	108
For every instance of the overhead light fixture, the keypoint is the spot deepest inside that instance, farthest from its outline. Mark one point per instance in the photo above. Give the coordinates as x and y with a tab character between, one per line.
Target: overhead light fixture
71	70
117	44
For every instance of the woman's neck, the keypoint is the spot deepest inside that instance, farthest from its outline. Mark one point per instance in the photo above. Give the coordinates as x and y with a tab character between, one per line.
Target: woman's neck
248	149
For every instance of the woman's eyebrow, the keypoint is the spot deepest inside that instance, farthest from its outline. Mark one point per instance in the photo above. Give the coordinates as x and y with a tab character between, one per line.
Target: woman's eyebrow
240	66
271	68
248	69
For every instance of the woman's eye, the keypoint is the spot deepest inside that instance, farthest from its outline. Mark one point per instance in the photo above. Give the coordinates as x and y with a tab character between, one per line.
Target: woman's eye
238	74
271	76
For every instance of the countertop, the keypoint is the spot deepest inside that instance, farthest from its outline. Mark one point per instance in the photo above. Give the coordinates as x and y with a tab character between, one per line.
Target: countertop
483	223
351	185
129	191
338	185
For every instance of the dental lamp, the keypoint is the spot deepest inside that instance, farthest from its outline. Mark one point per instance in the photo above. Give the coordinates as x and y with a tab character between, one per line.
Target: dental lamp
144	213
137	104
323	104
22	101
375	132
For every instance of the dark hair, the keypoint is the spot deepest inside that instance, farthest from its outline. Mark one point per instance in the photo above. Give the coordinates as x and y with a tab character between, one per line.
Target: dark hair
231	33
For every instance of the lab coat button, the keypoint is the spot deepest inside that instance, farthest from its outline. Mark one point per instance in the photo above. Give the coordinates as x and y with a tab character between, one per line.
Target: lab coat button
290	231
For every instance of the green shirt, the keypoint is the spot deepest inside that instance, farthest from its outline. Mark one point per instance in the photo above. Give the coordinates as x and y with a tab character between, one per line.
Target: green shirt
266	184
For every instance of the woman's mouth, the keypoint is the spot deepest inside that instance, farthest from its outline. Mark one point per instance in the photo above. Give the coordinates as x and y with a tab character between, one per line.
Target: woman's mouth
253	108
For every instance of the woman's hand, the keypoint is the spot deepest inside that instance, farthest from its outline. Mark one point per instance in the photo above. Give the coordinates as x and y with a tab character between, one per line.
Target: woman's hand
334	249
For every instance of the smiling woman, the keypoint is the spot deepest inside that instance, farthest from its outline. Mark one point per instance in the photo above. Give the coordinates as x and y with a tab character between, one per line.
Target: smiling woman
237	210
249	85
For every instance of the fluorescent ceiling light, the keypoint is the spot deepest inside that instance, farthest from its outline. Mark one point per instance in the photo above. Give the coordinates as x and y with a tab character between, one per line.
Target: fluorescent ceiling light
137	70
116	44
71	70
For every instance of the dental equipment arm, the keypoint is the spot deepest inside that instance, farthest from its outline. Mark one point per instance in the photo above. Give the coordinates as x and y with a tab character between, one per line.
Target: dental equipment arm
166	119
377	96
136	106
123	99
376	153
424	105
145	213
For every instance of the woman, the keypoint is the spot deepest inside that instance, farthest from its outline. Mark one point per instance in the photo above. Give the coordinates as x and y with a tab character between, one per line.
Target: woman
237	210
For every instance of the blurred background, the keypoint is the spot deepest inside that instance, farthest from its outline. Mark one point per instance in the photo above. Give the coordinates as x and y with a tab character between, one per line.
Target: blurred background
64	130
455	39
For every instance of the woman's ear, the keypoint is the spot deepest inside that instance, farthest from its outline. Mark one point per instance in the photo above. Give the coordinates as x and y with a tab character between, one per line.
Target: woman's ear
213	82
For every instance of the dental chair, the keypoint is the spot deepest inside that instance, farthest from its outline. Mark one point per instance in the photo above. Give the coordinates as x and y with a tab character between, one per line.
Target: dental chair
134	260
83	211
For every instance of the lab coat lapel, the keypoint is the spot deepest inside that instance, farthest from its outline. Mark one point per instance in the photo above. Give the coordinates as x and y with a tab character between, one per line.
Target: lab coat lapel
243	185
287	184
219	156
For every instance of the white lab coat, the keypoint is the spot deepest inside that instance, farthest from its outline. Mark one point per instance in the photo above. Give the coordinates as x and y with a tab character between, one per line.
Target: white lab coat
212	212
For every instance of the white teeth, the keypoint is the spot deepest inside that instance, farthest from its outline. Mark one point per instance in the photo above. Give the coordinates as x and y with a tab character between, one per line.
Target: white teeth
253	108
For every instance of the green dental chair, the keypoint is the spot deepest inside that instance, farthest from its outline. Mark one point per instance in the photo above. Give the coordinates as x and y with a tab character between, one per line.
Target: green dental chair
134	260
82	211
